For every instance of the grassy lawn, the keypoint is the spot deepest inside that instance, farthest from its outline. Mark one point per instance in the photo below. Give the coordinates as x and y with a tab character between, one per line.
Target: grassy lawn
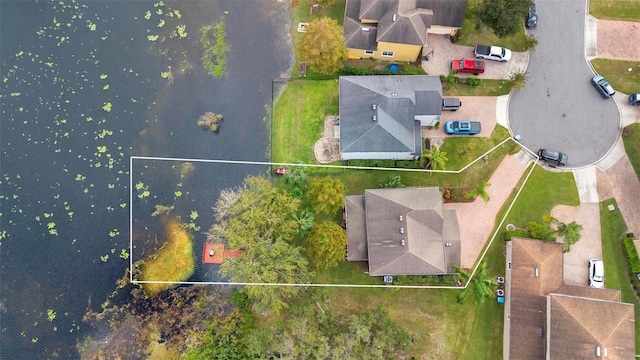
616	71
472	37
298	118
631	138
615	9
612	227
489	87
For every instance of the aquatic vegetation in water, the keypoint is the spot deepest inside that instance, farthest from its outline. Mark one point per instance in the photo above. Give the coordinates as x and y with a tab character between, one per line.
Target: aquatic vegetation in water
161	23
51	315
210	121
147	15
167	75
124	254
182	31
215	48
172	262
194	215
162	210
152	37
104	258
107	107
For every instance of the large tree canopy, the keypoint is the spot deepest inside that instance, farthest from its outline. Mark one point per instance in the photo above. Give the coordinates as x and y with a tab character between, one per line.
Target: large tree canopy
258	219
326	194
322	46
505	17
326	244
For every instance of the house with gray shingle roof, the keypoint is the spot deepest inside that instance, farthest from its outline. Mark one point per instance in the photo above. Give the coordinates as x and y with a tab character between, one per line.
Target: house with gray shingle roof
402	232
548	319
381	116
397	29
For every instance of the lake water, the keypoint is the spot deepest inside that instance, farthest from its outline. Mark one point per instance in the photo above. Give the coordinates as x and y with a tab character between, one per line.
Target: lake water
82	91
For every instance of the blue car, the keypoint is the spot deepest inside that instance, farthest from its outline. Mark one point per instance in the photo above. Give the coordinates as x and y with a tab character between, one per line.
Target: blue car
602	85
462	127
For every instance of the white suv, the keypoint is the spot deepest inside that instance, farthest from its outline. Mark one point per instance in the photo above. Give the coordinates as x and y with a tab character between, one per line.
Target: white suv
596	273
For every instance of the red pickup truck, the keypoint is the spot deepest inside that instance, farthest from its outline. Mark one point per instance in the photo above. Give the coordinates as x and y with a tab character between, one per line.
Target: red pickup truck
474	67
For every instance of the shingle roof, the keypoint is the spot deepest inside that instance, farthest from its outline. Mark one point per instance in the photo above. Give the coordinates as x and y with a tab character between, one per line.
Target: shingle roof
545	317
578	326
407	230
356	228
398	21
379	114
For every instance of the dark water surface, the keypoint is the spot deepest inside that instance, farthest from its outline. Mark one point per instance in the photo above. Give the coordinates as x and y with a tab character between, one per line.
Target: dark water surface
64	186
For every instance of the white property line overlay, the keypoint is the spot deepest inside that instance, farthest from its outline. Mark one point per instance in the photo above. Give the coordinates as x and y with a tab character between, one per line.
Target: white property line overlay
215	161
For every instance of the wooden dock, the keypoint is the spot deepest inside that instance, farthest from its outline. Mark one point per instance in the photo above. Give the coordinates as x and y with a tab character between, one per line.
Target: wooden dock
215	253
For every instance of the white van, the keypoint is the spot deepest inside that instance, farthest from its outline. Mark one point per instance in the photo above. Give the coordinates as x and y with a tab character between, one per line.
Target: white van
596	273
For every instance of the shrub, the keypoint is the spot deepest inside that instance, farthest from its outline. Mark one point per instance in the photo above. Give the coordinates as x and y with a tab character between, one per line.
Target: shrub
516	233
632	255
473	82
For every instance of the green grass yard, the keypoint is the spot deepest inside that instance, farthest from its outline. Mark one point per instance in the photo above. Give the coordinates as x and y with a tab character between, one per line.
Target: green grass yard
618	74
612	227
628	10
631	138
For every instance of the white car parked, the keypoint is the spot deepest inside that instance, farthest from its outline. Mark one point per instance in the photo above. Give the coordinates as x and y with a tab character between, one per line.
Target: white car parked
596	273
495	53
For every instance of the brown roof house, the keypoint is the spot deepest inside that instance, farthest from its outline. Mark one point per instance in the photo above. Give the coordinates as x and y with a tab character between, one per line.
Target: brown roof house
402	232
547	319
397	29
381	116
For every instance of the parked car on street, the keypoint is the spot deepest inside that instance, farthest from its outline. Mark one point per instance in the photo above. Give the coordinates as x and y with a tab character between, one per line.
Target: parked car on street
451	104
495	53
596	273
462	127
602	85
474	67
532	18
634	99
553	157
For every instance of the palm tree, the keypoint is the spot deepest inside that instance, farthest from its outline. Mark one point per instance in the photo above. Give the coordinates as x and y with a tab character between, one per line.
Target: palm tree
482	284
437	158
480	191
569	232
392	183
304	220
297	176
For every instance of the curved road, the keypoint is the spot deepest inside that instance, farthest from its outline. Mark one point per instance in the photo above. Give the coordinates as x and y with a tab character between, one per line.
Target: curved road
559	109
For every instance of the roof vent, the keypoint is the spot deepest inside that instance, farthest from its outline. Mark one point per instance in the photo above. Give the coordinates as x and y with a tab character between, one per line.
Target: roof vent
395	16
394	94
365	29
373	106
402	242
606	353
401	230
598	351
400	218
535	272
375	118
447	244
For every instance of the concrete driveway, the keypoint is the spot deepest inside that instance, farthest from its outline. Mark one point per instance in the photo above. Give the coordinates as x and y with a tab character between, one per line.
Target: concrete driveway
588	247
444	51
478	108
559	108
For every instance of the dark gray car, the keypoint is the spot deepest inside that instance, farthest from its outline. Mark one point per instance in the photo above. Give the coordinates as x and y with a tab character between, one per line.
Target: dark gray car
532	18
553	157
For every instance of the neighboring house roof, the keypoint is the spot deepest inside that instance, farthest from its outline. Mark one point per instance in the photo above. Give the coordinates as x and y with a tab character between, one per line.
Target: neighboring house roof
381	114
578	327
543	314
398	21
407	232
356	228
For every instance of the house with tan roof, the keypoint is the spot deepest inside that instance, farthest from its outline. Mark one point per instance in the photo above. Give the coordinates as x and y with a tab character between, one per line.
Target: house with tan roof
402	232
397	29
548	319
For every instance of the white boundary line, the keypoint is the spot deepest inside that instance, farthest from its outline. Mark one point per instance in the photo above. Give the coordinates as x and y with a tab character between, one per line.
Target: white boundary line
215	161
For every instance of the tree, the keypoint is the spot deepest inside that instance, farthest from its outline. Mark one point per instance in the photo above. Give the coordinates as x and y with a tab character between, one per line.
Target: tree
304	221
569	232
437	158
393	182
518	79
482	284
296	177
323	46
258	219
480	191
503	16
270	261
326	244
326	194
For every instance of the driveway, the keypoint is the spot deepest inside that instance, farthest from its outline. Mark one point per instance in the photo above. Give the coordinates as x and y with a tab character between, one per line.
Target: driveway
589	245
559	108
478	108
442	51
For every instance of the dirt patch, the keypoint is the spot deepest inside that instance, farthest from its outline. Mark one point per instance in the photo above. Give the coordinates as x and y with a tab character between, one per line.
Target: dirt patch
619	40
327	149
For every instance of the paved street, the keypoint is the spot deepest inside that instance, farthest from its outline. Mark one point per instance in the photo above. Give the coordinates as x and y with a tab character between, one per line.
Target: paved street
559	108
